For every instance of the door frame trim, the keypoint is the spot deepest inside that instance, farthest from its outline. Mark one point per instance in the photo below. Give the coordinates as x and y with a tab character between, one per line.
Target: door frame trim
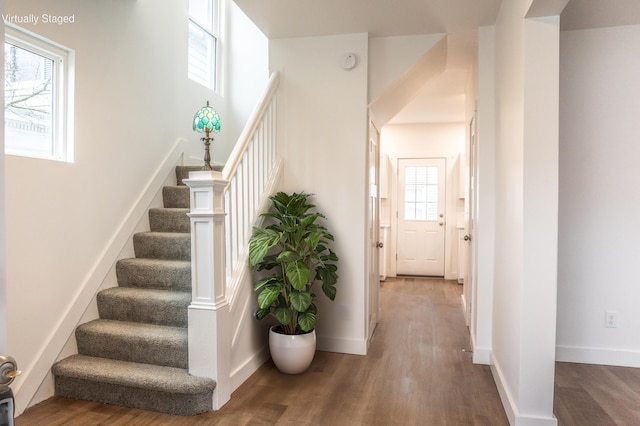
450	209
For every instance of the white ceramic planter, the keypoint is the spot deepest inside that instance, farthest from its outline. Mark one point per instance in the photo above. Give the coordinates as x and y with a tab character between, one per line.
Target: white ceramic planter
292	354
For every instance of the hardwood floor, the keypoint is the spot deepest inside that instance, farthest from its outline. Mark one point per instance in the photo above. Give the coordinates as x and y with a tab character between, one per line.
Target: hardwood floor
417	372
597	395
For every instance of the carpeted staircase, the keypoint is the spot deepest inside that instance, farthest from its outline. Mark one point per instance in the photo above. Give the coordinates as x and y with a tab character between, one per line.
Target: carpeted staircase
136	355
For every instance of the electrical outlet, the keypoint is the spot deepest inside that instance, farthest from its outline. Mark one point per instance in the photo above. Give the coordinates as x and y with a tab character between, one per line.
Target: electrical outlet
611	319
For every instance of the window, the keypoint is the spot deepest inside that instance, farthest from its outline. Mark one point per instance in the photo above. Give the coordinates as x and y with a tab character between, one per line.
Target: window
203	41
37	97
421	193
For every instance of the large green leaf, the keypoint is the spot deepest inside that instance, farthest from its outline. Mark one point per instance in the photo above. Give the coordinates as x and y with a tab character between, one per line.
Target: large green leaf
300	300
297	205
329	290
297	273
313	239
268	295
271	280
268	263
283	315
260	243
287	256
327	274
307	321
261	313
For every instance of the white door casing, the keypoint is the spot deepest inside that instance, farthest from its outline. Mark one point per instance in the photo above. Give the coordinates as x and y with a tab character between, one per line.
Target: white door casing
374	230
421	217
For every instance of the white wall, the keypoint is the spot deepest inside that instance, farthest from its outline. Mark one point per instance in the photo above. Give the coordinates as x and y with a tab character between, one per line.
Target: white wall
391	57
484	231
443	140
324	142
3	253
133	101
599	241
523	345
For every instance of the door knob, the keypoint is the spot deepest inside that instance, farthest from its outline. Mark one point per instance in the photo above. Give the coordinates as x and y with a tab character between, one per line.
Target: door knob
441	223
8	371
467	237
379	244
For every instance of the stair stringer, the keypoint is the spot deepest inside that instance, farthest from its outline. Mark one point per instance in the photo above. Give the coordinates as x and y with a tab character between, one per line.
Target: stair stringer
36	382
249	337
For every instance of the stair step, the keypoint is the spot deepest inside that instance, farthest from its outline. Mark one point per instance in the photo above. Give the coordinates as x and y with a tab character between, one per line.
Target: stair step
176	196
163	274
145	305
162	245
134	342
169	220
148	387
182	172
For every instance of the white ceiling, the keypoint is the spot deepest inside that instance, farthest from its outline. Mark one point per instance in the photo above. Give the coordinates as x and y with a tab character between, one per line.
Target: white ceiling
442	99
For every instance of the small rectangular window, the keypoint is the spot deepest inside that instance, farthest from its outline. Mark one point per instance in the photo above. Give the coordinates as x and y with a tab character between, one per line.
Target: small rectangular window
37	100
421	193
203	41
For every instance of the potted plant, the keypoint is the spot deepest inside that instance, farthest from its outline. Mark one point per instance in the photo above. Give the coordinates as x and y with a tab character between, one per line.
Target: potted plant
292	247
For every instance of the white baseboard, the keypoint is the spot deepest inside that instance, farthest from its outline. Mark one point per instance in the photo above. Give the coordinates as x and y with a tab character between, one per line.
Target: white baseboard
600	356
244	371
465	312
510	407
345	346
480	355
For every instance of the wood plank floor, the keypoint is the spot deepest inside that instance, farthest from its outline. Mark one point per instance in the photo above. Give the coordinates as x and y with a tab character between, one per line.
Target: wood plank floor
597	395
417	372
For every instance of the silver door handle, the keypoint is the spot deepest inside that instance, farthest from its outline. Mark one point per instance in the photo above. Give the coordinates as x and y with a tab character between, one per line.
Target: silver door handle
8	371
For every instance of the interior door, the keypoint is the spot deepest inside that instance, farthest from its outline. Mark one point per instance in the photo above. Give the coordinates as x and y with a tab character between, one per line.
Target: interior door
374	229
471	214
421	216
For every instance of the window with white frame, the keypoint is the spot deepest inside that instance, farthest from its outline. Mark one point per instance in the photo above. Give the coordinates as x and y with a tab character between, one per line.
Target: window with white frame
204	26
38	97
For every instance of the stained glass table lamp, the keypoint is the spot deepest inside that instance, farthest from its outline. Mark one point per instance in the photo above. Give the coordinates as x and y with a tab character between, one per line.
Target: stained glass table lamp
206	121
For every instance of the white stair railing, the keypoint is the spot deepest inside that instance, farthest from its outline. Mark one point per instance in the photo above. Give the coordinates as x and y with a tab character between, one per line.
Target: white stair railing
224	206
248	171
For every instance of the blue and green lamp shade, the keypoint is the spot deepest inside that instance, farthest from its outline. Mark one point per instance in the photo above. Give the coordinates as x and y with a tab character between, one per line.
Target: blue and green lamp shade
206	120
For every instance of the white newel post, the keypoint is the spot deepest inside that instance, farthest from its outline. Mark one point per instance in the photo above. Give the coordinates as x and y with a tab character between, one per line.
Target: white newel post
209	337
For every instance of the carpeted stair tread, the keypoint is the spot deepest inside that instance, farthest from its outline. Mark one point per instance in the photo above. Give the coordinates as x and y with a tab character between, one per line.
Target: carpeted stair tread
169	220
164	274
162	245
145	386
135	342
177	196
151	306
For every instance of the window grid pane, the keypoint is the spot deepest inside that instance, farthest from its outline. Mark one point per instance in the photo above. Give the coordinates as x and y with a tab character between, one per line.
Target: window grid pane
203	32
201	11
201	56
421	193
29	103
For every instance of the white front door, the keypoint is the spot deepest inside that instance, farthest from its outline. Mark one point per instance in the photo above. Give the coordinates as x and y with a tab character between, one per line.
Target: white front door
421	216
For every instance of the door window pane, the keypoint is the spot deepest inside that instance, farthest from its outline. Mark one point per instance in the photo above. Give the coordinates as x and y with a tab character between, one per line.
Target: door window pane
421	193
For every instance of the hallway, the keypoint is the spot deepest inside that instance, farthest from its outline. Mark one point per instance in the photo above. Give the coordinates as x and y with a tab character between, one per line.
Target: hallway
417	372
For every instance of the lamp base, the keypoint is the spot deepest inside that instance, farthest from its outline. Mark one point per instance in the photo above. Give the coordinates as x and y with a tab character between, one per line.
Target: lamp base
207	157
